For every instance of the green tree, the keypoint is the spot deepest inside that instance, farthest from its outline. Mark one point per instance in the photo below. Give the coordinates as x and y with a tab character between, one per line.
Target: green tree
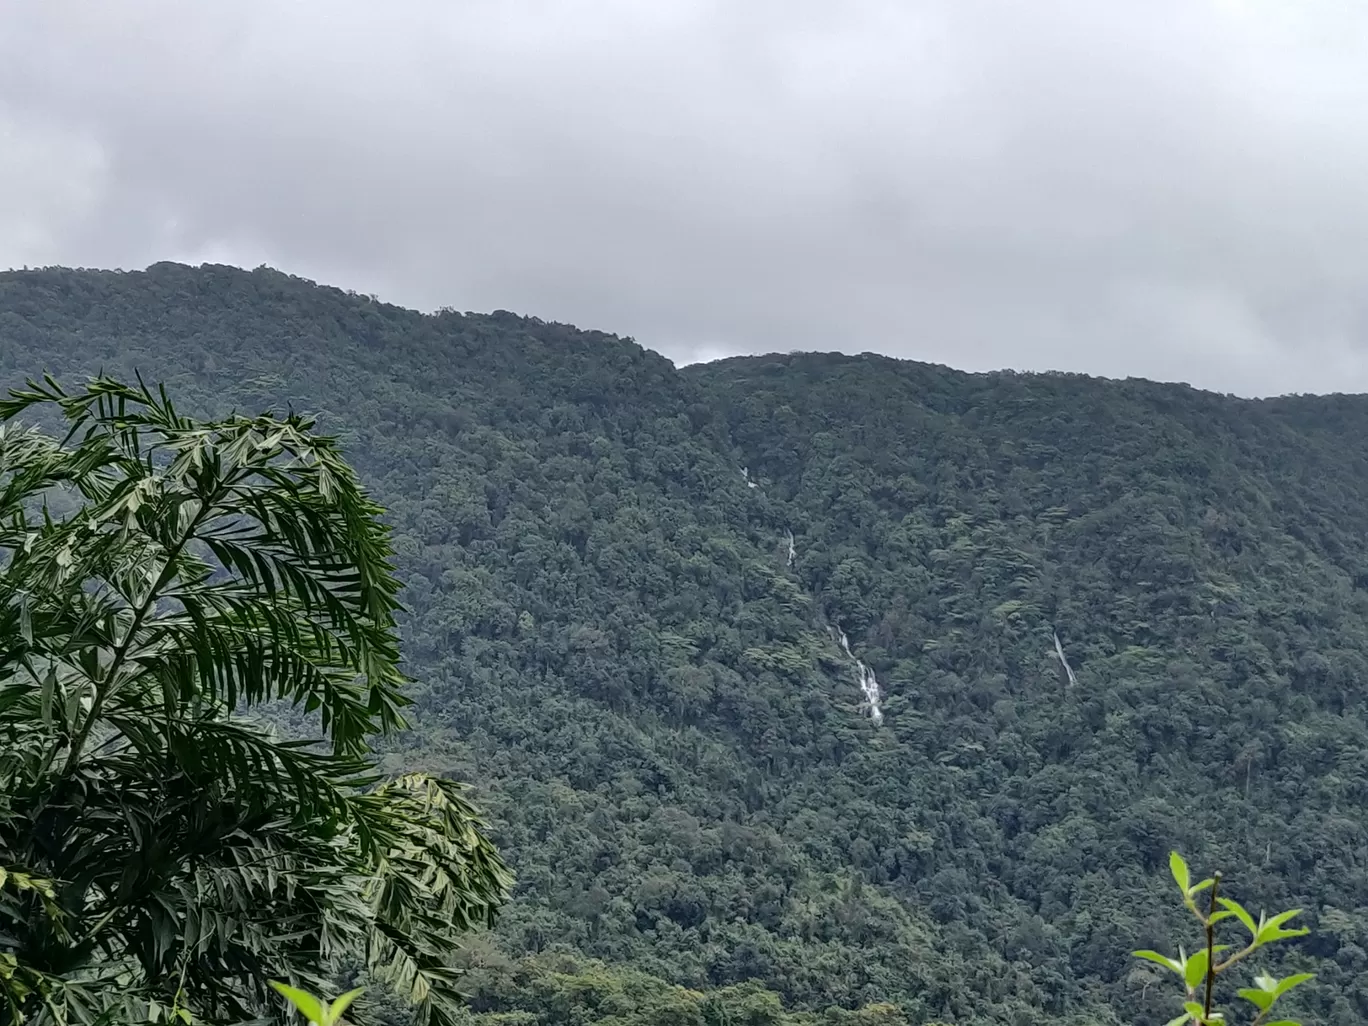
161	854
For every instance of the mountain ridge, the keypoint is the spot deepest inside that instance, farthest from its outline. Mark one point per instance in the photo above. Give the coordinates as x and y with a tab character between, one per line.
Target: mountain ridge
499	314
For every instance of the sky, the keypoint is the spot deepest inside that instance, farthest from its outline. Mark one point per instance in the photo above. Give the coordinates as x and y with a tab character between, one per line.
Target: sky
1174	189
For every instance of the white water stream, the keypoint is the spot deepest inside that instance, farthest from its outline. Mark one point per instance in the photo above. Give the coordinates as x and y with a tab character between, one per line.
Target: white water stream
868	684
1063	661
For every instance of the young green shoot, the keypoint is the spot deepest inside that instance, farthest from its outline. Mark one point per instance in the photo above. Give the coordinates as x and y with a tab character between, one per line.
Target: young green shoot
1199	970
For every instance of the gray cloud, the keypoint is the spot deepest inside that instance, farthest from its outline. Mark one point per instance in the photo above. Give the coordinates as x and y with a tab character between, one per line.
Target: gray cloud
1173	188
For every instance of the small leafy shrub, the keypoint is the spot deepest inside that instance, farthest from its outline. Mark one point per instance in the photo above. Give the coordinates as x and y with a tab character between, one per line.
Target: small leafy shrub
1199	970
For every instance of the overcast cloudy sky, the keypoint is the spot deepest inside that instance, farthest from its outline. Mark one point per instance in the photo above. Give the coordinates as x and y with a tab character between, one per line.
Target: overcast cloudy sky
1169	188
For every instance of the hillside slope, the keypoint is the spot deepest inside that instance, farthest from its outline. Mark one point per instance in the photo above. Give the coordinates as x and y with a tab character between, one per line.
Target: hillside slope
613	638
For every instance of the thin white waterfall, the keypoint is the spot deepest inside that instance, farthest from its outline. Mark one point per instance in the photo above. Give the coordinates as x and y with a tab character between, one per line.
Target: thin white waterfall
869	684
1063	661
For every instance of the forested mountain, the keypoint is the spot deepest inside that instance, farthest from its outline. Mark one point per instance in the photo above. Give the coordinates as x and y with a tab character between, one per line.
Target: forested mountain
627	586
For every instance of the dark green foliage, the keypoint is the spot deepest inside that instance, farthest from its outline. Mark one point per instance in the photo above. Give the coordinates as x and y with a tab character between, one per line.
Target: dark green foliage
160	856
607	635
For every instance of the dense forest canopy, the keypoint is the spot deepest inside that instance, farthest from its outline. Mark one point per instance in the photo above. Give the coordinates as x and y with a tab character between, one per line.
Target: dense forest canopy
626	587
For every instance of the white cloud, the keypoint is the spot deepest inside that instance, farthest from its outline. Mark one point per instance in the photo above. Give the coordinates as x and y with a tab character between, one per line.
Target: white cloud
50	180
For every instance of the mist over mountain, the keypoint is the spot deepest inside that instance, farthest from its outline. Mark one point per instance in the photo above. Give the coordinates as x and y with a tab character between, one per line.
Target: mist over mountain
824	688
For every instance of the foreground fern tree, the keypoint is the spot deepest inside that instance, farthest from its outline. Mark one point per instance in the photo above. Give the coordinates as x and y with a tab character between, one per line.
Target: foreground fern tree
162	857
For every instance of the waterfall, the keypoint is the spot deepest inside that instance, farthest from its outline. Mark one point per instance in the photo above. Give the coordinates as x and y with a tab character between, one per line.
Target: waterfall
792	552
869	685
745	476
1069	677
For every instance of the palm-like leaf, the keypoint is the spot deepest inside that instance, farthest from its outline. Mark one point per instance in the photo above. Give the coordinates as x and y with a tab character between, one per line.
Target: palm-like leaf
203	568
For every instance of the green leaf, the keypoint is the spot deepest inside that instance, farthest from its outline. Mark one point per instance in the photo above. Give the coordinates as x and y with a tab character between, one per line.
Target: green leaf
1158	959
1238	911
308	1005
342	1003
1179	869
1269	989
1272	930
1194	972
1296	980
1180	1020
45	699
